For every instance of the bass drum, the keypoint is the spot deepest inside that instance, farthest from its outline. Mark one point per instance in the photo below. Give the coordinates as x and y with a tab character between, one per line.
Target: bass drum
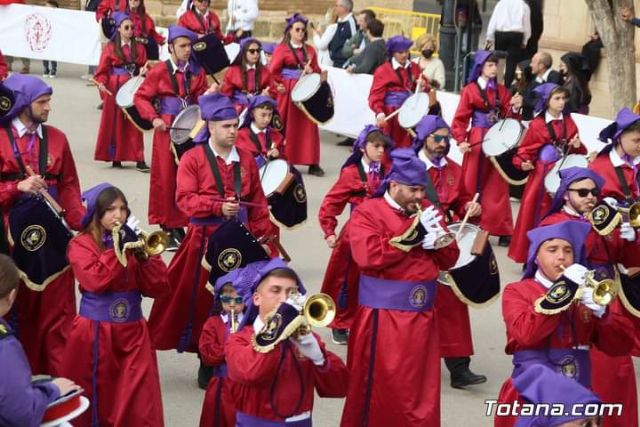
274	176
288	203
124	100
500	145
314	98
552	179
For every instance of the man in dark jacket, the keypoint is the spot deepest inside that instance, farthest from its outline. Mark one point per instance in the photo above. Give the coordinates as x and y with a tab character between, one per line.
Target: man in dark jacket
374	54
346	29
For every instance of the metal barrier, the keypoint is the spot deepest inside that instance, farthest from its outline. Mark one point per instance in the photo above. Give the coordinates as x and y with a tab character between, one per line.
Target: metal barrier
410	24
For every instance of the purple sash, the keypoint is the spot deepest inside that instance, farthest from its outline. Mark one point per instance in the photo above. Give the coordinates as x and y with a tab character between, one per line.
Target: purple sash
480	119
548	154
114	307
397	294
119	71
396	98
209	220
220	371
246	420
291	73
565	361
170	105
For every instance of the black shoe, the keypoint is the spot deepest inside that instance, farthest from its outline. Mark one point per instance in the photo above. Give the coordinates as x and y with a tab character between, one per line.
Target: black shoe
117	165
340	336
99	107
180	233
463	377
504	241
347	142
204	375
174	243
316	170
142	167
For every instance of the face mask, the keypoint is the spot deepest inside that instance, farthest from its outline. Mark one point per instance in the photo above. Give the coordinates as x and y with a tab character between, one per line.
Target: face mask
427	53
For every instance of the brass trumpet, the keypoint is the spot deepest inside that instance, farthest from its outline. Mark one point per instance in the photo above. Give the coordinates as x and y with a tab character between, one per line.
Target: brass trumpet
604	291
233	320
632	213
155	242
319	310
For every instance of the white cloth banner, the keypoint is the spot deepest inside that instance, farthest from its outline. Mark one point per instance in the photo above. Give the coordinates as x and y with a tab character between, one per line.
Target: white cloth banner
352	112
39	32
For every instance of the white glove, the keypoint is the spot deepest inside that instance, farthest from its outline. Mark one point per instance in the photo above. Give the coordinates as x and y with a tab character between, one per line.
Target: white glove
133	223
429	241
430	219
627	232
310	348
611	202
587	300
296	300
576	273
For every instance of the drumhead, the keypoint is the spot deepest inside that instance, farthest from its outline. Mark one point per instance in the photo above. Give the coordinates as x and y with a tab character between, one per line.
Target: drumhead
84	405
272	174
124	97
185	120
552	179
465	243
413	110
502	137
306	87
232	49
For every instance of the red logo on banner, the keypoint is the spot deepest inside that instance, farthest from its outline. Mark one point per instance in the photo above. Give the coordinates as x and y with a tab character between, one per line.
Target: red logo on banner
37	32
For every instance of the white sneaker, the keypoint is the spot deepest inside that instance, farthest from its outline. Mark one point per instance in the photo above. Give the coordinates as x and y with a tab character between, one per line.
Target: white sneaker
45	75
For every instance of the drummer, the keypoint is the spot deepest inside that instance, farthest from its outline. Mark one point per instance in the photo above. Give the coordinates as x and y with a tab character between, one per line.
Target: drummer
174	83
267	50
483	102
292	59
449	193
145	29
393	82
257	133
552	134
247	77
122	58
360	177
200	19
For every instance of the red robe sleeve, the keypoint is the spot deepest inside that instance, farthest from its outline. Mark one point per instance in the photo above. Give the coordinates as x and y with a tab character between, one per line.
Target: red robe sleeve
460	123
230	82
278	61
69	189
332	378
105	65
211	343
199	84
104	8
248	366
143	99
151	29
337	198
379	88
152	276
614	332
95	270
191	200
259	222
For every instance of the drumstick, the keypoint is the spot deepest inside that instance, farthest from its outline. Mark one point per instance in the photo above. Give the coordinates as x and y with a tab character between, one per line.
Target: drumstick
466	216
178	128
95	82
54	204
395	113
250	204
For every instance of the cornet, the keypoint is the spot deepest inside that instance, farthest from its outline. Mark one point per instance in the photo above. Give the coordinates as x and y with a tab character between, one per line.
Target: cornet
604	291
150	243
632	214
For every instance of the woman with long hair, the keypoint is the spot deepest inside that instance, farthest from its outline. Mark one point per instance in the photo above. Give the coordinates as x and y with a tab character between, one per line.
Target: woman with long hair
109	351
144	29
200	19
293	58
575	70
122	58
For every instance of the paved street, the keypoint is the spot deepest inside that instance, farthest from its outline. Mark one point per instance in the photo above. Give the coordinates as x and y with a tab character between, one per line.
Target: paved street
74	111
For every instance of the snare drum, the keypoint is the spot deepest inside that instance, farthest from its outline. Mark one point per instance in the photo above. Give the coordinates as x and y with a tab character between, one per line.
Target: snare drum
413	109
273	176
314	98
183	130
552	179
474	279
64	409
124	100
500	145
288	203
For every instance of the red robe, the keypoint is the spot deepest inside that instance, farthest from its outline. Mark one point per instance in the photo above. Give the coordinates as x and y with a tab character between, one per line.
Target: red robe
233	82
535	199
303	139
143	26
43	318
195	22
218	408
170	315
342	273
528	330
127	364
602	166
106	7
245	142
4	68
414	401
478	171
162	205
386	80
254	373
118	138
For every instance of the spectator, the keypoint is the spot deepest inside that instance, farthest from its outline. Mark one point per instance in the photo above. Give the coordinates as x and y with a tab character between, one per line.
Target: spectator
522	85
537	26
509	30
467	10
375	52
431	66
322	39
358	41
345	30
541	73
50	67
144	29
591	51
575	69
242	16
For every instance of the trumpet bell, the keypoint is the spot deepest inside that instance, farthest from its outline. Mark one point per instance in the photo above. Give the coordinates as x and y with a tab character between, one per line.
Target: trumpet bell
634	215
604	291
155	243
319	310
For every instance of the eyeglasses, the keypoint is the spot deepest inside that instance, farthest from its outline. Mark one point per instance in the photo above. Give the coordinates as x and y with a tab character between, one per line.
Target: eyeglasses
300	30
439	138
584	192
254	51
226	299
127	27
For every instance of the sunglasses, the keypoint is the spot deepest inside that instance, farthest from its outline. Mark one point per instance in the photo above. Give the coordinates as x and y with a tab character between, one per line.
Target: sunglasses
226	299
584	192
300	30
439	138
254	51
127	27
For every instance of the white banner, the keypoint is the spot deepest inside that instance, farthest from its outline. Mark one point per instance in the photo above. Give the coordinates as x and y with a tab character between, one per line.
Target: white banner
39	32
352	112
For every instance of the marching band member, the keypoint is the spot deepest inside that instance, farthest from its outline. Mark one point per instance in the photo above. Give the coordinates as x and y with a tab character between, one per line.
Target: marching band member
292	58
256	133
22	402
218	408
175	83
109	351
449	194
214	179
200	19
613	378
247	77
118	138
144	29
551	135
399	248
484	101
268	49
360	177
107	7
275	387
551	316
41	316
393	82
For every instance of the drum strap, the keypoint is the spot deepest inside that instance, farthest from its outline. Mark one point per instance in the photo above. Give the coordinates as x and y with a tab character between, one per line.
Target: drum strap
256	80
431	193
485	99
554	137
365	180
623	184
410	77
42	155
256	141
305	57
237	179
174	81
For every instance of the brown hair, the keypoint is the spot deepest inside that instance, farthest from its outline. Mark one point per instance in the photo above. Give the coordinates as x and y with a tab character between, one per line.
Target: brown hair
9	277
104	200
282	273
117	44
